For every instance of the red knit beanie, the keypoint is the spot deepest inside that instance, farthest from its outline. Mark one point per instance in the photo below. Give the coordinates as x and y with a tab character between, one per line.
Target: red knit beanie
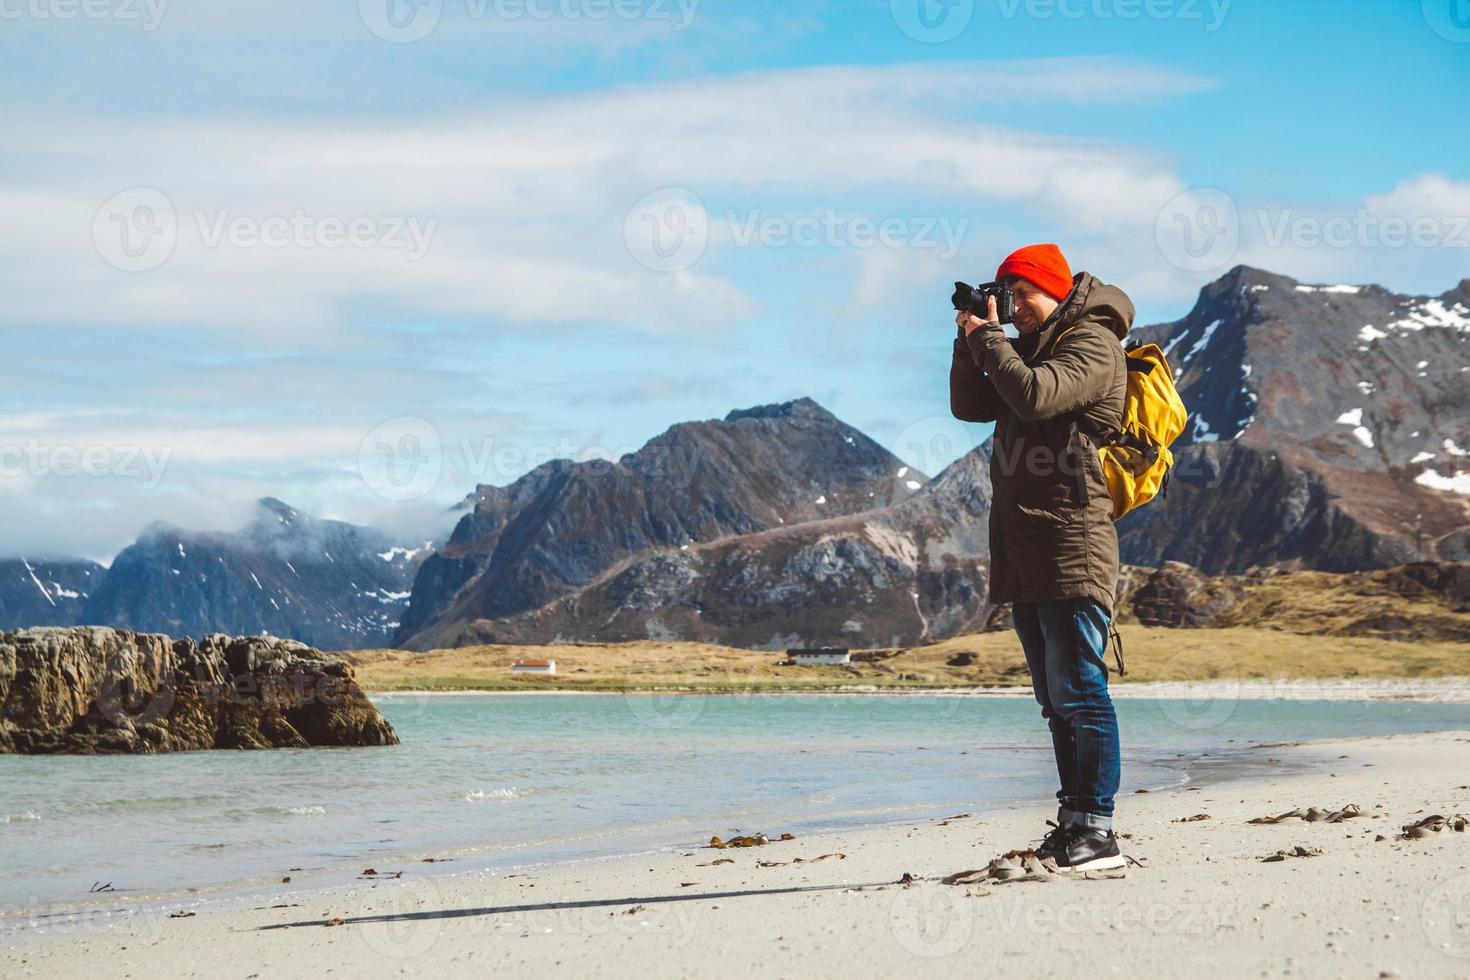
1043	265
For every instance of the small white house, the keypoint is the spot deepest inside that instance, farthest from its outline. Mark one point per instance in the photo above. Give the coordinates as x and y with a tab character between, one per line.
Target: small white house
820	655
533	667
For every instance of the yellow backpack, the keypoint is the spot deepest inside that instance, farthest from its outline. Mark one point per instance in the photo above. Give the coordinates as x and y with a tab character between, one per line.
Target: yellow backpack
1136	459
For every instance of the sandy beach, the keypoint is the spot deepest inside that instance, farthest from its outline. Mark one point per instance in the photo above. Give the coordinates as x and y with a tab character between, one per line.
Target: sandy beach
1370	904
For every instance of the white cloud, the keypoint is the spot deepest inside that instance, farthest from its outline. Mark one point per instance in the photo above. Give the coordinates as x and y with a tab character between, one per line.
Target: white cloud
525	200
1425	195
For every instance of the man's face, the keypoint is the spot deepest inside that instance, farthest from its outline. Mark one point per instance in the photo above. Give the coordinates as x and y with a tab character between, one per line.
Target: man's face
1032	305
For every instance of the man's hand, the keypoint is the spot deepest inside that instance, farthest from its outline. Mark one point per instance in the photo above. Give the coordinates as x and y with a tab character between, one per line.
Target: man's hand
971	323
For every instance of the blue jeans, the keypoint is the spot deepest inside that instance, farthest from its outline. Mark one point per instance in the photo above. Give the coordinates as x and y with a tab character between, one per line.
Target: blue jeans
1065	642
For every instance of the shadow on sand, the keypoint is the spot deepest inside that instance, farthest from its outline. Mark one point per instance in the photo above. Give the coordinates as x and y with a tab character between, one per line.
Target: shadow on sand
587	904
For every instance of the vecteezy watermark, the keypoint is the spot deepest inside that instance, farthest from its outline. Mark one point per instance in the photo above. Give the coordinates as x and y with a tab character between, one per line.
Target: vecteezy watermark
1446	917
1210	13
832	229
934	921
667	230
1208	695
38	459
302	230
406	21
930	444
670	229
148	14
138	229
1198	230
932	21
1363	229
401	458
1450	19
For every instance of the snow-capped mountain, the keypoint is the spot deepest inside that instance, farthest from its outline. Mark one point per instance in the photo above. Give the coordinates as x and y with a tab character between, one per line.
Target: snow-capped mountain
35	592
1330	427
327	583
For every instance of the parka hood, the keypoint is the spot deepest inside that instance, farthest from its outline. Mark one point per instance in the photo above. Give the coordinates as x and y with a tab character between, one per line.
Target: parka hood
1090	299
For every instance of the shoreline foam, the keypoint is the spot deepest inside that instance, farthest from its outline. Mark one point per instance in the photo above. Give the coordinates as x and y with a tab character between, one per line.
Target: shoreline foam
1439	690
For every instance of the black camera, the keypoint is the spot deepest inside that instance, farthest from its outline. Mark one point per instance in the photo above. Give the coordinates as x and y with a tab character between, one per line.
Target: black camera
971	299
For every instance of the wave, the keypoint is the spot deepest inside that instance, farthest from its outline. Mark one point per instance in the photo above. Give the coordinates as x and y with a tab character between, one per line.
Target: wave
23	816
503	793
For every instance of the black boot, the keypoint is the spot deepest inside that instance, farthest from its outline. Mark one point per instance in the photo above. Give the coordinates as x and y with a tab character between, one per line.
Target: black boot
1054	844
1088	849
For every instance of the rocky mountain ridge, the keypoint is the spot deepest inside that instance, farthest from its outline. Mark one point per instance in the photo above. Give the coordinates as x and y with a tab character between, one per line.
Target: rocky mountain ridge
565	525
328	584
1329	431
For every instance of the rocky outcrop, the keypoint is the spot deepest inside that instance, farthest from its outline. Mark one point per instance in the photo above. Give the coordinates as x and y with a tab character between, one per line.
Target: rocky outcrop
1179	595
1418	602
101	690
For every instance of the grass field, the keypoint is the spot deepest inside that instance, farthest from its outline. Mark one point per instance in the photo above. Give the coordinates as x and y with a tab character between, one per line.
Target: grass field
1151	654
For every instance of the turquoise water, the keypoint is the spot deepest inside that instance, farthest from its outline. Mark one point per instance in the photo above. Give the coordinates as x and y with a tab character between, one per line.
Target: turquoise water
500	781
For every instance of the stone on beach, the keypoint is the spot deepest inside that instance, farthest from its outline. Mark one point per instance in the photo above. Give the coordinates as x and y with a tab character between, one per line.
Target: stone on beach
91	690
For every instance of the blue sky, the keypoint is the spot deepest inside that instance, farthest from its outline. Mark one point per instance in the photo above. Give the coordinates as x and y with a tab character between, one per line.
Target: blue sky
576	222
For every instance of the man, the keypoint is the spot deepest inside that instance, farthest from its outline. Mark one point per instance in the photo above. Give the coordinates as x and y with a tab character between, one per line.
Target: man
1053	548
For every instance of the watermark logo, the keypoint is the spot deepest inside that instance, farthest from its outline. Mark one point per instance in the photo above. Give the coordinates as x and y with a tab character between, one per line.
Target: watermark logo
136	230
932	21
1198	230
932	922
1450	19
930	444
401	458
121	702
1208	698
401	21
398	928
1446	917
668	230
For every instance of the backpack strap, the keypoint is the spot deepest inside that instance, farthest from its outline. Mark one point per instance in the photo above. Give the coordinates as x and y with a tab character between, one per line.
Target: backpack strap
1117	639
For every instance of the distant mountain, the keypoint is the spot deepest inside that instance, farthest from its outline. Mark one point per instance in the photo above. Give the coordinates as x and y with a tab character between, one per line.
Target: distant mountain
45	593
326	583
1330	429
895	575
565	525
1328	426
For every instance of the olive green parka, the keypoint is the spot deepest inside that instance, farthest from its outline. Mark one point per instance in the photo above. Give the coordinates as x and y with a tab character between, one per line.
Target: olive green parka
1049	393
